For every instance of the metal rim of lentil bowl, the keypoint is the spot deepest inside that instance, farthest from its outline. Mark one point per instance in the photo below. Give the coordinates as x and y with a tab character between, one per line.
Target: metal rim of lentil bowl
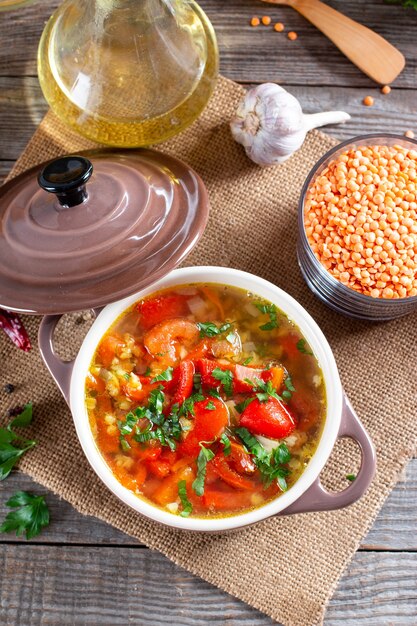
325	286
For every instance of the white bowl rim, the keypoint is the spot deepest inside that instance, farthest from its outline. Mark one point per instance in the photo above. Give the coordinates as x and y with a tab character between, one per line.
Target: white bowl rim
315	339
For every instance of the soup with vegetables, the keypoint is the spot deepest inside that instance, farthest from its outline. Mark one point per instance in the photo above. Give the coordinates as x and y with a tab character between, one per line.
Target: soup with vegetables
205	400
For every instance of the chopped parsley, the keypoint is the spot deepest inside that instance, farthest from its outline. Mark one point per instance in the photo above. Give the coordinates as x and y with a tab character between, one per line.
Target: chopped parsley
270	464
210	406
126	376
187	507
209	329
351	477
187	407
241	406
226	379
271	310
205	455
148	371
227	448
30	516
301	346
248	360
163	376
287	393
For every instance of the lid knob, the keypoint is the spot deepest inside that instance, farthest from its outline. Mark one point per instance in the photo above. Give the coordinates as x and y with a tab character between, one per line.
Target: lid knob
66	177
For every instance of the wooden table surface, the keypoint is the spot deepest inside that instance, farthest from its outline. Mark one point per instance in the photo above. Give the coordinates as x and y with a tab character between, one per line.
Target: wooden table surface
82	571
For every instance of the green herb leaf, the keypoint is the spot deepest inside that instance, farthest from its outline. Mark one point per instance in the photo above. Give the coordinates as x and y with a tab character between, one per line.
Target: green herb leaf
163	376
128	425
271	310
226	379
23	419
156	400
210	406
126	376
187	407
205	455
248	360
187	507
30	517
301	346
270	464
208	329
10	454
287	393
148	371
241	406
351	477
214	393
226	444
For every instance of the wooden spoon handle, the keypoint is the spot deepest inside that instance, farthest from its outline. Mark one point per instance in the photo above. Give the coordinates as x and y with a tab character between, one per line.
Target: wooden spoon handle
375	56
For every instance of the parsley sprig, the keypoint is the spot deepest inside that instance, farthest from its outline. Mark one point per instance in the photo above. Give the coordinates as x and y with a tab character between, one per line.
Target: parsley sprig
9	453
270	464
163	376
272	311
30	516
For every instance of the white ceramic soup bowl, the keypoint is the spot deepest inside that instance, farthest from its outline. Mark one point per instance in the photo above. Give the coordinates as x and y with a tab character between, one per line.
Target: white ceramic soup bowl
307	494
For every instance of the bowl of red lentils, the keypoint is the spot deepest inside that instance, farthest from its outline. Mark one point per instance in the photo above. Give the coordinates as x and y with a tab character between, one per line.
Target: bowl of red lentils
357	246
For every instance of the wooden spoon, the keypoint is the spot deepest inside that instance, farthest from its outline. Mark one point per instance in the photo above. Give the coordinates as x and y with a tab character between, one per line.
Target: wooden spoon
373	54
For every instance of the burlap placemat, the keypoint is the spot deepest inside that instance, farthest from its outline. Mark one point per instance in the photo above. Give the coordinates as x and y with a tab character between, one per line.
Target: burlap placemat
286	567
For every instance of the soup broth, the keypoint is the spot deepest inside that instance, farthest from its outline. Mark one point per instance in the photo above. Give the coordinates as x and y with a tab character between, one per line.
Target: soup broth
205	400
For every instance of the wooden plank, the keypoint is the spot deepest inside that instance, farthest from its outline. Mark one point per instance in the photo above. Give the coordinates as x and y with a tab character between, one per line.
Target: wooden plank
247	52
394	528
394	113
77	585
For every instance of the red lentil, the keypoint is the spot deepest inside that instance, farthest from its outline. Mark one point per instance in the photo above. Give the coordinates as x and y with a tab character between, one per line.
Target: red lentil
386	89
409	134
266	20
255	21
361	220
368	101
279	27
292	35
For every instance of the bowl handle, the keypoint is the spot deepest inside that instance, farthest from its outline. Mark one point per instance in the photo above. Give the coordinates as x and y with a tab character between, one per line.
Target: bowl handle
60	370
317	498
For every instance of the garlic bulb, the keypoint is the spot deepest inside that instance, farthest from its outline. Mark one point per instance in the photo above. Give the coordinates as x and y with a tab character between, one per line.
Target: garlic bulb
271	125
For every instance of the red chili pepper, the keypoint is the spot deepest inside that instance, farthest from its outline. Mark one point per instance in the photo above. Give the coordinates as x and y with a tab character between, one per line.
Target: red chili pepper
12	325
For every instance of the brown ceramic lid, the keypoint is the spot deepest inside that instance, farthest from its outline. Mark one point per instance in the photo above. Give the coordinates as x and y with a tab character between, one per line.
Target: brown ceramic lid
89	229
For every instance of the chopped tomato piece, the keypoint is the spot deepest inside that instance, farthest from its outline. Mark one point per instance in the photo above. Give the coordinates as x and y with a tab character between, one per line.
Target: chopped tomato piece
104	404
305	411
229	475
239	459
270	419
184	377
161	308
205	367
159	468
208	425
150	451
108	349
226	501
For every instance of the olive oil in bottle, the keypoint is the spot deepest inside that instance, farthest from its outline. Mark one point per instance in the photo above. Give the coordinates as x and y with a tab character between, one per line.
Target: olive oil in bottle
128	72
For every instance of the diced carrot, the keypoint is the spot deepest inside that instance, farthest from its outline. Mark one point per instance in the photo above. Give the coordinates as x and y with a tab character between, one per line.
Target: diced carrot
167	491
95	383
226	501
276	375
140	474
108	349
104	404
